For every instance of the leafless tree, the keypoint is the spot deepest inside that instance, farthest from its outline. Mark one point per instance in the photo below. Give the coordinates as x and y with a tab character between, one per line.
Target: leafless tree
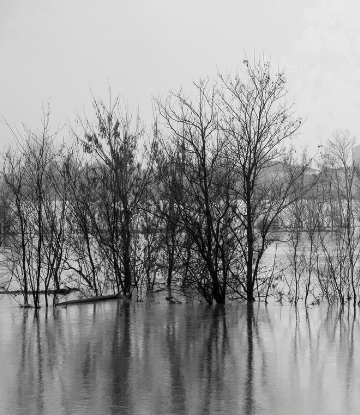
341	244
122	175
258	126
36	247
84	258
200	187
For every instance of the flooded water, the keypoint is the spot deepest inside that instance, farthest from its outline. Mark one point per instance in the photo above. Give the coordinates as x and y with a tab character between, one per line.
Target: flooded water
154	357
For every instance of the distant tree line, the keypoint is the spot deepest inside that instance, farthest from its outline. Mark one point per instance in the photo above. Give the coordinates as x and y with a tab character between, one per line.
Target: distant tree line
191	206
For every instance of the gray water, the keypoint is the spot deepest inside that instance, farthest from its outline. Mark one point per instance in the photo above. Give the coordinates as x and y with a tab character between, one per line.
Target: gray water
118	357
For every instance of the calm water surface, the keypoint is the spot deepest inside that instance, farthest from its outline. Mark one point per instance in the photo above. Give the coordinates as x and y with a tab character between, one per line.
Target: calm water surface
159	358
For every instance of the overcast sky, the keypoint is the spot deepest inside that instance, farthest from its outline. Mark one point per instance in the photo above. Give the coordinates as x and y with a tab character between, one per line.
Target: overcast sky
59	50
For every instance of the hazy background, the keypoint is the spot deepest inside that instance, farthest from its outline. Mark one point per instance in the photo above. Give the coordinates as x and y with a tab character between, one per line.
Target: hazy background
61	50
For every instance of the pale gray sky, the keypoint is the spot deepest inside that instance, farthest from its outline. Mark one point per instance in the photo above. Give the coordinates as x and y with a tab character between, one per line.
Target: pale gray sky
58	50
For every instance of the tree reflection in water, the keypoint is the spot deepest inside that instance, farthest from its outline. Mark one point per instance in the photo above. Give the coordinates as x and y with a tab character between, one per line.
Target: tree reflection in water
120	361
249	392
155	357
30	370
213	365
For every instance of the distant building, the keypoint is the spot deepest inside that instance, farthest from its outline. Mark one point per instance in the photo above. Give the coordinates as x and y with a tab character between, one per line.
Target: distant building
356	155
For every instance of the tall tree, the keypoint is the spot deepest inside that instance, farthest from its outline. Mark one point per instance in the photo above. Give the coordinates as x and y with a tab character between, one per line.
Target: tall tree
38	204
200	188
114	142
258	124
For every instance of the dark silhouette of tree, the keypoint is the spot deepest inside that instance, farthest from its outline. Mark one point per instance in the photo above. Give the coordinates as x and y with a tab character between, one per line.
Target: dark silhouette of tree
122	176
258	126
200	190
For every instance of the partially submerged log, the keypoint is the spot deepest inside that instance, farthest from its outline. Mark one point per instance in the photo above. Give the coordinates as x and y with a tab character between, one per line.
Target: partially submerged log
90	299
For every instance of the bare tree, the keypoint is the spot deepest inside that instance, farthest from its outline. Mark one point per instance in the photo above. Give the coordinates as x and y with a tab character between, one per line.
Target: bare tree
340	245
14	176
36	253
121	176
258	126
200	187
84	259
164	200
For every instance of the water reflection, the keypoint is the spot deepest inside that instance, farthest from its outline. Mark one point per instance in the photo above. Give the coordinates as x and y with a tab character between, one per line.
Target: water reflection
161	358
249	395
120	361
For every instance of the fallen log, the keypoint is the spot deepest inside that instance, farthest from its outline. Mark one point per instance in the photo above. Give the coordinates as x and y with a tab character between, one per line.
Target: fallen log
89	300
